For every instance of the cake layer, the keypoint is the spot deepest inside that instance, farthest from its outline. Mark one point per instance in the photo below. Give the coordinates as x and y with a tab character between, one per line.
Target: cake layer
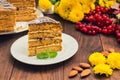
6	29
29	11
24	5
7	21
52	27
7	16
25	9
35	50
38	35
25	17
35	42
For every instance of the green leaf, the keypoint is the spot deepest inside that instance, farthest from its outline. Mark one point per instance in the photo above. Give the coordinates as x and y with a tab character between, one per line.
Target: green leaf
52	54
118	1
53	1
42	55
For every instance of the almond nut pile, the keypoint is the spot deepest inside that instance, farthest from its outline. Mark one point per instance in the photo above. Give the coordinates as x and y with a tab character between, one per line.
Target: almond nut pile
83	69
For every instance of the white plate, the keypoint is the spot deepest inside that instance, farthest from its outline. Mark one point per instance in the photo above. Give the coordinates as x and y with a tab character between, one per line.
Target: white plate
22	26
19	50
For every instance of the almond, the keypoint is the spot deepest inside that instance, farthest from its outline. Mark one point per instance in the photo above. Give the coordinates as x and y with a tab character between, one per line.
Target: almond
79	69
111	50
73	73
84	65
105	53
85	72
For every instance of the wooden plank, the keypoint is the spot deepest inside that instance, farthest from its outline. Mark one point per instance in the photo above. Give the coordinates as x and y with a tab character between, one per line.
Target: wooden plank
29	72
6	60
111	42
87	45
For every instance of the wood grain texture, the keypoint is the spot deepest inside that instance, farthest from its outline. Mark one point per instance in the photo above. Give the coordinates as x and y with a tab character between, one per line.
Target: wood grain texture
11	69
6	60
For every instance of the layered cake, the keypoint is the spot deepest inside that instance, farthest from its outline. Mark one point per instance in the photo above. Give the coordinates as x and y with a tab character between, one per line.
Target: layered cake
44	33
7	16
26	10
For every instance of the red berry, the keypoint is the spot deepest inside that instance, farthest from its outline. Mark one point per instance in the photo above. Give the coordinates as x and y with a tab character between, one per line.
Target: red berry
91	18
117	31
86	18
84	29
89	32
78	23
99	18
104	31
118	35
93	32
109	27
88	27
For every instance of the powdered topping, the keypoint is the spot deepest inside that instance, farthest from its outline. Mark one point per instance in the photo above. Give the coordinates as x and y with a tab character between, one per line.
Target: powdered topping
43	20
6	5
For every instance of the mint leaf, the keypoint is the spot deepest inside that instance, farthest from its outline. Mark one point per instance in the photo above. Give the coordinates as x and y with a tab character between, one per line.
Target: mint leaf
47	54
42	55
52	54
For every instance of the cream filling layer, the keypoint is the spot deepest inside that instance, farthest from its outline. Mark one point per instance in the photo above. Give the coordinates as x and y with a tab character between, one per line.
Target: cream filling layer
45	39
46	46
44	31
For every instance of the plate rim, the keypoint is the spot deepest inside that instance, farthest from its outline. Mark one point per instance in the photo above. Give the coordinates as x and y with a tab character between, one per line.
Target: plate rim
59	61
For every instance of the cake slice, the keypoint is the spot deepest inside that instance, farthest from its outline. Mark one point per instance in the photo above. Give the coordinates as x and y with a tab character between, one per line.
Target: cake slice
7	16
44	33
26	9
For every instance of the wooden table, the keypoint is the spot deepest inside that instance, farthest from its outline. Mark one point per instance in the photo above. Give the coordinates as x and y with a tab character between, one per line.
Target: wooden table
11	69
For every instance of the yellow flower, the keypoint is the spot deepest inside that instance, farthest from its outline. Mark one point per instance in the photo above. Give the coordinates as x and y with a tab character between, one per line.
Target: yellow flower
114	60
76	15
97	58
85	8
103	69
73	10
101	3
64	10
56	7
45	4
92	6
107	3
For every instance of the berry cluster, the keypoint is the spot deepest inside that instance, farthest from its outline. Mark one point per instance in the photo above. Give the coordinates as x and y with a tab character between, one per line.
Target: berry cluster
117	32
99	20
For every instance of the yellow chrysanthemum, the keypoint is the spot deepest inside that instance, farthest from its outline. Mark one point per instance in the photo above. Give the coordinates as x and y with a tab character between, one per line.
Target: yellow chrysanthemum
75	15
85	8
45	4
103	69
107	3
114	60
56	7
64	10
92	6
97	58
101	3
73	10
